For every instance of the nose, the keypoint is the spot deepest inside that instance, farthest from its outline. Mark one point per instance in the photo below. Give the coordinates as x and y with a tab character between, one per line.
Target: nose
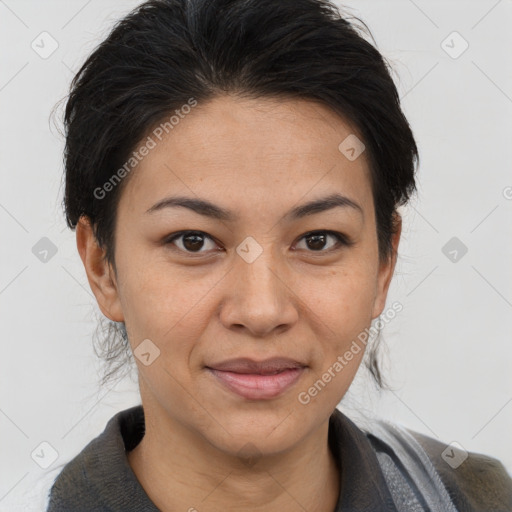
259	297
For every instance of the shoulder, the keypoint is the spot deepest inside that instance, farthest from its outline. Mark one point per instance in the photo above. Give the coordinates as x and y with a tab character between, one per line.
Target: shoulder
473	481
99	476
480	479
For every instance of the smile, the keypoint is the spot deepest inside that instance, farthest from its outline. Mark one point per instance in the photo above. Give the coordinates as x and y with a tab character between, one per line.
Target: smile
254	386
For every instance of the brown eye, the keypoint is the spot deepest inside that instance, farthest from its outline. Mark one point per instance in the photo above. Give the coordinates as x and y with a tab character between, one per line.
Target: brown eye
190	241
317	241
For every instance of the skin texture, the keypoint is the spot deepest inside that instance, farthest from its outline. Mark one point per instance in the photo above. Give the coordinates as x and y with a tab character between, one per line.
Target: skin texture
259	158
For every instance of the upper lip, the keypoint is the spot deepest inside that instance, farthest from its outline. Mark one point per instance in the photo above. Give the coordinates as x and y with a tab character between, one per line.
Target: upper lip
247	365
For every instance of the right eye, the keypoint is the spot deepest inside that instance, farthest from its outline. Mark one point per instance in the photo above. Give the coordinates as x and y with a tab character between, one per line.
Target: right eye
190	242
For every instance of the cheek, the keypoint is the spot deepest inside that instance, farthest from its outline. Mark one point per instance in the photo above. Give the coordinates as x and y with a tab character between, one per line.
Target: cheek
342	309
343	302
162	303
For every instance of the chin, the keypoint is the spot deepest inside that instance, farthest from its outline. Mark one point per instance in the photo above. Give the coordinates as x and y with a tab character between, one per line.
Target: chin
255	433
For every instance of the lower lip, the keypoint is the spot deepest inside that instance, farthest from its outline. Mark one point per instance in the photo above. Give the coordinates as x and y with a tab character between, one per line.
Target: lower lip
258	387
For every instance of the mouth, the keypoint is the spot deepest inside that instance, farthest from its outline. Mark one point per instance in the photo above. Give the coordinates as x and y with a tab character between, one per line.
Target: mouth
254	380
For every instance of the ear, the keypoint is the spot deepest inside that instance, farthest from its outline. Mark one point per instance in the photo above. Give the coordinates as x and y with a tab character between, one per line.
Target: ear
387	268
100	274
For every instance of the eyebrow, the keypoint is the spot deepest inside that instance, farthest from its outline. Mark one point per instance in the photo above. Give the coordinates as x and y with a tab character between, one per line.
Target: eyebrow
208	209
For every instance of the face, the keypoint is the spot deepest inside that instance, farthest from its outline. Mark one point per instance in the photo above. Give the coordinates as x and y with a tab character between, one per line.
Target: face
253	283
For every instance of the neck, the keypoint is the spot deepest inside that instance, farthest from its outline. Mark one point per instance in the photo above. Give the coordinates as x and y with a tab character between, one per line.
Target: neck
180	470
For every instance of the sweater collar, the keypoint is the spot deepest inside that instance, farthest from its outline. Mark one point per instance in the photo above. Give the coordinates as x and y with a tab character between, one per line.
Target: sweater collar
362	486
101	472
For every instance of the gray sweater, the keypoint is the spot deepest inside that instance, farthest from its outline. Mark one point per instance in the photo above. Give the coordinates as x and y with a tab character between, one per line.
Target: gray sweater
388	469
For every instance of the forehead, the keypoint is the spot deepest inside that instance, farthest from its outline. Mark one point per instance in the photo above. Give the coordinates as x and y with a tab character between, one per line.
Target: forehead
250	148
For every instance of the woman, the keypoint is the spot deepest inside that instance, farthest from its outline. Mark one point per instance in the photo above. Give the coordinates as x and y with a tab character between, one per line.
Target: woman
233	172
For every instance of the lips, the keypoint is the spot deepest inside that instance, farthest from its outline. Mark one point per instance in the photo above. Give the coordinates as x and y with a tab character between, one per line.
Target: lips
267	367
257	380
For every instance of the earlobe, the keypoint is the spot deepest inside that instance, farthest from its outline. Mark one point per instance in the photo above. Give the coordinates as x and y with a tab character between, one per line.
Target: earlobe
387	269
99	273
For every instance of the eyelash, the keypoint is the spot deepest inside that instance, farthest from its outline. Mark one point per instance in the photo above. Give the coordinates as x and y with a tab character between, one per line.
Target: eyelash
343	240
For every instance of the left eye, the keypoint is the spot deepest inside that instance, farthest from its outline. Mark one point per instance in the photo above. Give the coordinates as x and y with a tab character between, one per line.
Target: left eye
317	240
193	241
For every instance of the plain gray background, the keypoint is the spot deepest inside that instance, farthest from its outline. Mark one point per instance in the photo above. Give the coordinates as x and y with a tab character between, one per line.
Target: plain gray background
450	349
